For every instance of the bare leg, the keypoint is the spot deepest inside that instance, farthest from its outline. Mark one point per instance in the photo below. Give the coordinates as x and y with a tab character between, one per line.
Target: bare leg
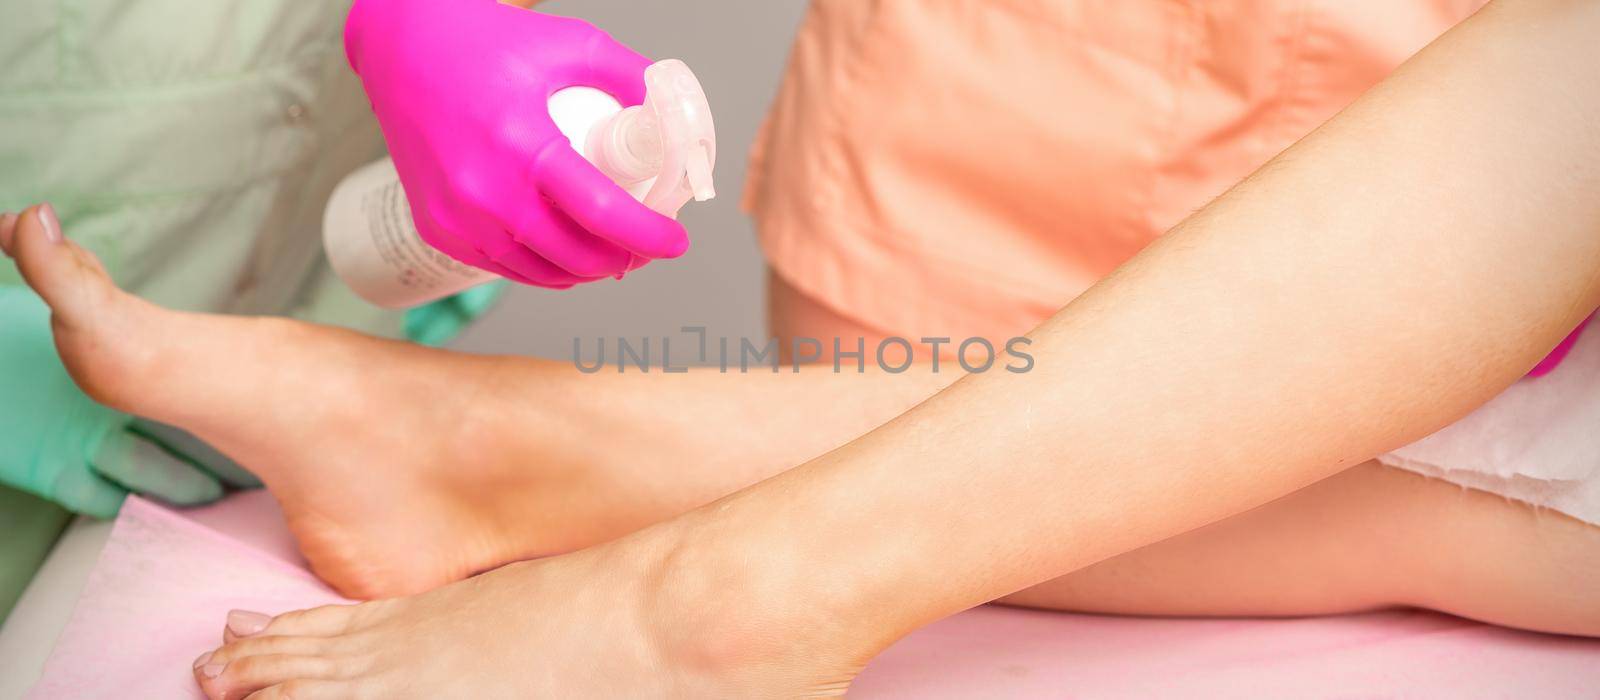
1370	537
494	459
1367	538
1210	376
331	413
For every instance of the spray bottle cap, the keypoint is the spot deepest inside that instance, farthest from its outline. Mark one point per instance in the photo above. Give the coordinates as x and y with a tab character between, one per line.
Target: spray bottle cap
670	137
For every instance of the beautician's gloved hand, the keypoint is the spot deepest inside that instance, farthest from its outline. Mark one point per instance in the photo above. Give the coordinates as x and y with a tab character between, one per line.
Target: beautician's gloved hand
461	89
57	443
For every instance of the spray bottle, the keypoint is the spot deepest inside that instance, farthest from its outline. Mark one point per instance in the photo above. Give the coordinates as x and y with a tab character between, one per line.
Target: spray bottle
662	152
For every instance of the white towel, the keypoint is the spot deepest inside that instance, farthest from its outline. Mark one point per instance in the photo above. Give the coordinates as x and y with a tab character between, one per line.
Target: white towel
1538	442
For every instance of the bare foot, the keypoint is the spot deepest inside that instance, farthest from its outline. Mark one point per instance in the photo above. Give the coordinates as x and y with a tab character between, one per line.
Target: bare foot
378	451
622	620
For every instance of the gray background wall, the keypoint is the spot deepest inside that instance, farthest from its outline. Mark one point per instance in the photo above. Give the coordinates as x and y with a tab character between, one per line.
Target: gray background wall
738	49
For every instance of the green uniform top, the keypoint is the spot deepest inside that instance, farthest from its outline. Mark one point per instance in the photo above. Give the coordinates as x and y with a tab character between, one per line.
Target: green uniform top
192	146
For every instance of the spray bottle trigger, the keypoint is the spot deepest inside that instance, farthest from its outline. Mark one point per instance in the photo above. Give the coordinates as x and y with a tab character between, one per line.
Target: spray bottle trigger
698	170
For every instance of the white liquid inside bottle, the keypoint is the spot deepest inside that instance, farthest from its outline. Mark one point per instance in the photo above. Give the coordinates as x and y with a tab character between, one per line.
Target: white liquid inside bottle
661	152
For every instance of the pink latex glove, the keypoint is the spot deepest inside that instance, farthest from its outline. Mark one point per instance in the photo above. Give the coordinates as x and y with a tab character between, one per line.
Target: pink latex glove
1549	363
461	89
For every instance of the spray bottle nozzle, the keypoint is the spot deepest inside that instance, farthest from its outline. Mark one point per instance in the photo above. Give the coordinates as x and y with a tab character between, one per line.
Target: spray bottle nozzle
698	171
671	137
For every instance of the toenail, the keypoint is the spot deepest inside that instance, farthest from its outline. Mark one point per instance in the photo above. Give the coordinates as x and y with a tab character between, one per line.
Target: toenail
203	659
51	224
245	623
212	670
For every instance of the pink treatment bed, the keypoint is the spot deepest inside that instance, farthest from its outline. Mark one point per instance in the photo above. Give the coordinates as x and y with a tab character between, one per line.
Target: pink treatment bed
160	589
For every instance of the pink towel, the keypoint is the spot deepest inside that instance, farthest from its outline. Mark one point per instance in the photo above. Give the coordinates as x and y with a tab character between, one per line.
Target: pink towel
158	596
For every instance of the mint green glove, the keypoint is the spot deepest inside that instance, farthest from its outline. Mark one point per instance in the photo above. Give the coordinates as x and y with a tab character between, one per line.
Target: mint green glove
59	444
439	322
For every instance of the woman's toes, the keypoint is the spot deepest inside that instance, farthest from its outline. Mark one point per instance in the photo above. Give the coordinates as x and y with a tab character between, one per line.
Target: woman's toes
295	654
269	646
110	341
244	623
241	677
250	664
306	690
325	621
50	264
96	325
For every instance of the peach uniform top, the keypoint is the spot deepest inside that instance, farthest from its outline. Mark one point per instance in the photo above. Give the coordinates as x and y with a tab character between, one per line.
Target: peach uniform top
967	167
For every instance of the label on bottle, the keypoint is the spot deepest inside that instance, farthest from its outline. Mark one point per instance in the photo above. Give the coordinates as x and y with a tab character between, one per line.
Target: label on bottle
373	244
395	239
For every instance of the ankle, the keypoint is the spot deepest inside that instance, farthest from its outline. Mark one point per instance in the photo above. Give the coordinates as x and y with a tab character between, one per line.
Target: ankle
565	463
535	487
725	613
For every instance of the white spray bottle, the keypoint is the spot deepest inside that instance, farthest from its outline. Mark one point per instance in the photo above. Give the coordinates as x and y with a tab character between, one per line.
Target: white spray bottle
661	152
